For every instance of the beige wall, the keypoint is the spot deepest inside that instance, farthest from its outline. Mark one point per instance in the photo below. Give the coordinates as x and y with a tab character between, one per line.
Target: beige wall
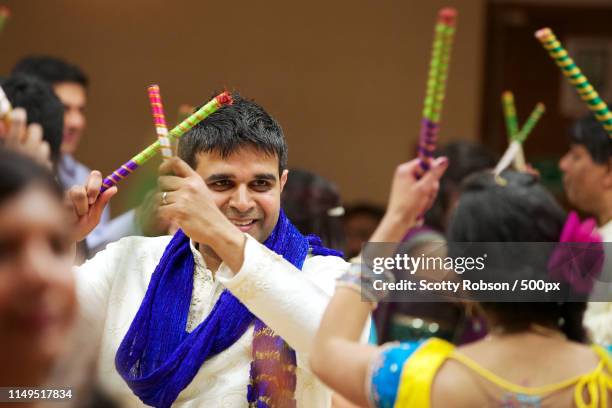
345	79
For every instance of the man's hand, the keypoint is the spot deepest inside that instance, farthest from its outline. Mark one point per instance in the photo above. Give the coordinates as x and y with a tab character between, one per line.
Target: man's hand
186	200
87	204
148	218
409	199
27	139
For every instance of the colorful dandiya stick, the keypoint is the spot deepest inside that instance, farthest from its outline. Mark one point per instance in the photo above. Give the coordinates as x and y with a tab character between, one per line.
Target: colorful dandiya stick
575	77
159	120
532	120
507	157
179	130
512	127
436	87
5	13
510	114
515	150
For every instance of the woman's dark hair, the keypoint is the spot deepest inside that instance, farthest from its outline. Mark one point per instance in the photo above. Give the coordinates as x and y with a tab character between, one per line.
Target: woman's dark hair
516	209
20	172
307	200
588	132
464	159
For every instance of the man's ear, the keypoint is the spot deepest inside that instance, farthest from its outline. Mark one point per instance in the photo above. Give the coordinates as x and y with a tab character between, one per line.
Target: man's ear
283	179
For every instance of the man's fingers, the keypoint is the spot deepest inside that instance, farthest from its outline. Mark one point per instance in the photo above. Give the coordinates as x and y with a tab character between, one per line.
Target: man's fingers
94	183
17	129
33	138
175	166
169	183
44	152
96	210
165	198
78	198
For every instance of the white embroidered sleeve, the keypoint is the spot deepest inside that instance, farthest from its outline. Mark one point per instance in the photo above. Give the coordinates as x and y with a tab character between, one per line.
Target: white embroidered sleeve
288	300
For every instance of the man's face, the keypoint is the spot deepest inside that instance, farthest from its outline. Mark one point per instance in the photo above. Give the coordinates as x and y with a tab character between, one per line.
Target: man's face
583	179
246	187
74	99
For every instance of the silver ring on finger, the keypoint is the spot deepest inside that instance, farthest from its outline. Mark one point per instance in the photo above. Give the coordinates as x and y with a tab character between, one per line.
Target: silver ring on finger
164	195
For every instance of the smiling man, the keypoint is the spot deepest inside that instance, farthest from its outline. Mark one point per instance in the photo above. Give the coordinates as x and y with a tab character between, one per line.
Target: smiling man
587	178
223	314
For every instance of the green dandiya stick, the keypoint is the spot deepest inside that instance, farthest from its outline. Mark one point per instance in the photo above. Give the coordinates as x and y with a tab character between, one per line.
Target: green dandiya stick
5	13
436	86
575	77
179	130
510	114
532	120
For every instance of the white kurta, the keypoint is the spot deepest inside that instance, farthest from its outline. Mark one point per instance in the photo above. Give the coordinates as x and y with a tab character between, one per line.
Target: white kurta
112	285
598	316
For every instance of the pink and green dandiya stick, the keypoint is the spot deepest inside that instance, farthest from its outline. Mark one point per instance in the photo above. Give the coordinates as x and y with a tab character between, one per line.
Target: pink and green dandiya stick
159	119
571	71
436	87
5	13
179	130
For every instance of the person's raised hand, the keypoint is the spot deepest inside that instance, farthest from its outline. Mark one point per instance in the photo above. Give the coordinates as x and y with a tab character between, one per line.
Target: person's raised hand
186	200
87	204
148	218
410	197
27	139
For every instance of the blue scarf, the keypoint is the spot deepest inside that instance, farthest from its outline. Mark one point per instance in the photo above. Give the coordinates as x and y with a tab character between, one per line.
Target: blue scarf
158	358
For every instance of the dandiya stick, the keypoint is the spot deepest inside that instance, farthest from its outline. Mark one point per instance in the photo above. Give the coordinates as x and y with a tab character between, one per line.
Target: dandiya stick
436	87
516	152
575	77
510	114
178	131
512	128
530	123
159	120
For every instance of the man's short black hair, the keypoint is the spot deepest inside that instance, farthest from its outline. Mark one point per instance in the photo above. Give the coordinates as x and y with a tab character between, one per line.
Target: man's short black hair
589	133
51	70
241	124
42	106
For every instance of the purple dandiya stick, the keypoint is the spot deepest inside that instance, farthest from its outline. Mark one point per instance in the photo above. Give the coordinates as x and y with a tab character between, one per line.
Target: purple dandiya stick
118	175
428	136
436	87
